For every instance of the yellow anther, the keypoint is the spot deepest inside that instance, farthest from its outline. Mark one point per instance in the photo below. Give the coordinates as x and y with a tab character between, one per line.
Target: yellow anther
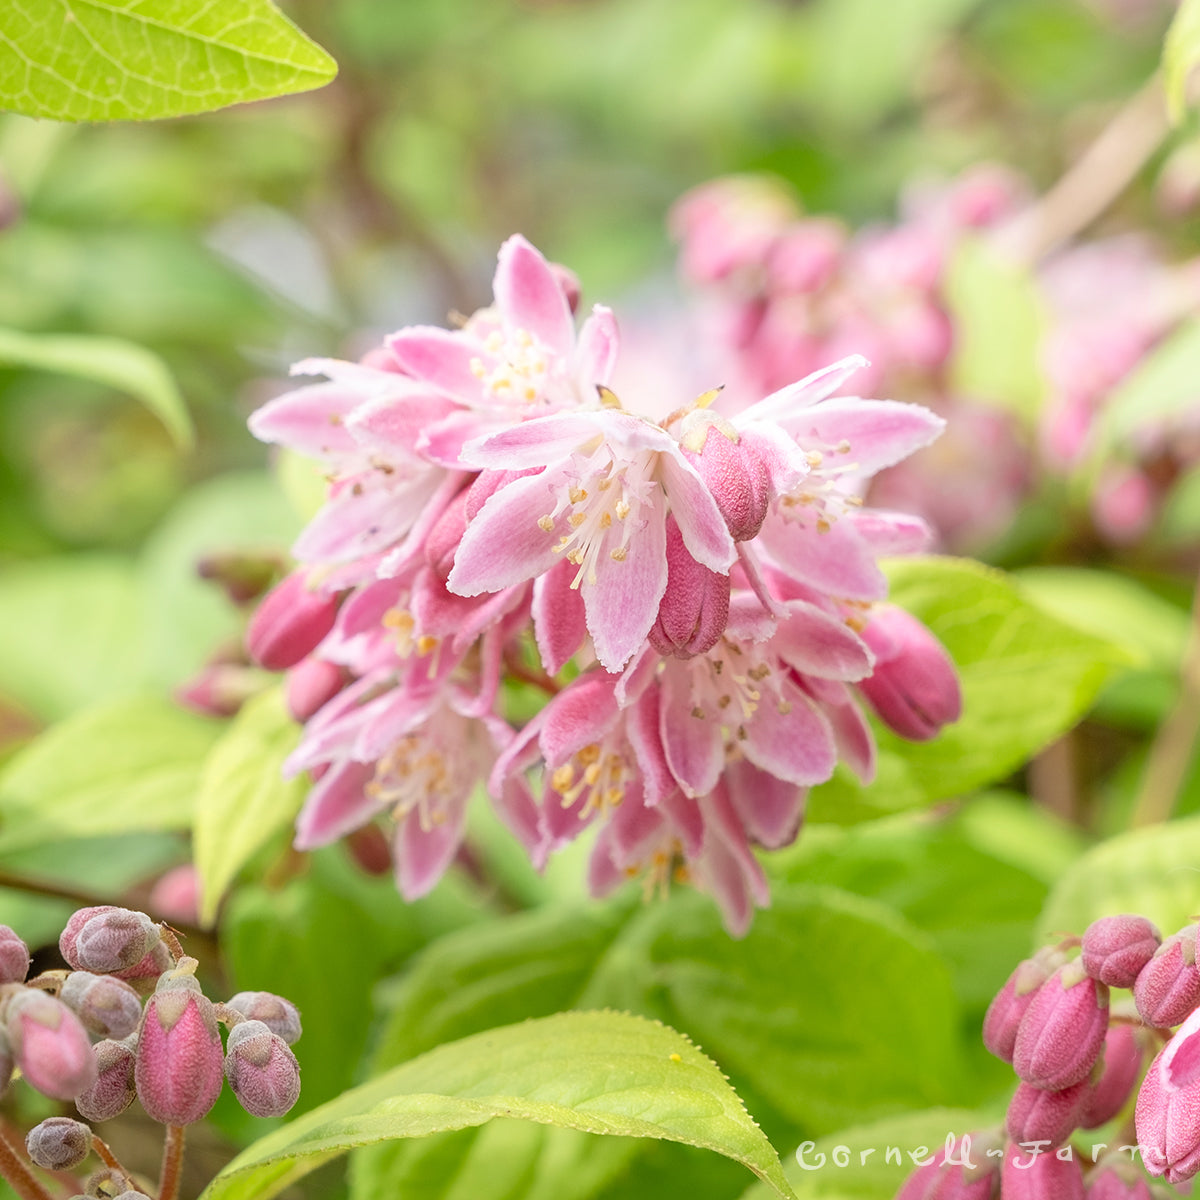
477	368
759	673
608	397
591	774
426	644
784	707
576	519
823	526
562	778
843	447
620	554
577	494
589	754
605	520
604	484
546	522
576	556
724	701
622	509
815	458
698	713
614	796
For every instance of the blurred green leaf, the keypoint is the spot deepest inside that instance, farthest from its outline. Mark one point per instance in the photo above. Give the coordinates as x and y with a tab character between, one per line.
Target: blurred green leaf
130	766
1181	53
244	800
1151	871
1006	650
102	60
70	633
110	361
998	322
597	1072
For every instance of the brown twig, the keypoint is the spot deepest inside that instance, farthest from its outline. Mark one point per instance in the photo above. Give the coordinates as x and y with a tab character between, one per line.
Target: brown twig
18	1175
172	1162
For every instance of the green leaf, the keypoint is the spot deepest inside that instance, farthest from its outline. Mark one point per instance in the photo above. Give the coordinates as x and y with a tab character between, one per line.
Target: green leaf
597	1072
998	322
71	633
244	800
1181	53
130	766
109	60
112	361
1006	650
1150	871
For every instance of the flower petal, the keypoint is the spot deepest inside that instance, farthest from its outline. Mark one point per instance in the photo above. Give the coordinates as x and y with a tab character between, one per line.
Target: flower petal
599	342
582	713
809	390
529	298
838	561
795	745
880	432
310	420
770	809
440	357
694	747
337	805
816	643
559	623
704	531
422	855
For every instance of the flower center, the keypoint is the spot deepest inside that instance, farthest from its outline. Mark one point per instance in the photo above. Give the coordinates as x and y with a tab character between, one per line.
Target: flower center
598	773
416	774
730	682
822	497
517	369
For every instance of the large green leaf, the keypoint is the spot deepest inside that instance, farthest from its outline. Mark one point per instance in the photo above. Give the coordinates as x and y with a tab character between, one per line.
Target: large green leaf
106	60
119	364
244	800
131	766
1026	678
596	1072
1151	871
1181	53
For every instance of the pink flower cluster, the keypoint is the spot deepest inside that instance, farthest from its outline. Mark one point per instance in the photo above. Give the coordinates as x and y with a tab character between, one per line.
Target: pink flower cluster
694	587
785	293
1081	1058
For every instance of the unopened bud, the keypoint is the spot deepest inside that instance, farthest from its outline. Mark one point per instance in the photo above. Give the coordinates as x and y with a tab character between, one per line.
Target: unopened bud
1004	1014
1061	1033
175	896
241	575
1167	988
290	623
14	957
1120	1066
114	1090
177	1069
1116	1178
961	1169
914	687
568	284
145	972
262	1070
50	1045
219	689
280	1016
59	1143
1040	1176
311	684
1037	1115
107	1006
733	470
1115	949
1166	1119
694	609
442	541
107	939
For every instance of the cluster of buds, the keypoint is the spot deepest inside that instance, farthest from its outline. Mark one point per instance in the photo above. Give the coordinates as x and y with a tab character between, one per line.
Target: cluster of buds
785	291
1080	1058
128	1020
693	585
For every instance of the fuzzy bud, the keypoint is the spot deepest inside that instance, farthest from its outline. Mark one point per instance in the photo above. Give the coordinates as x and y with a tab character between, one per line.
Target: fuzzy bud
1119	1068
1168	986
1061	1033
59	1143
114	1090
1116	1178
290	623
1041	1176
962	1169
175	896
914	687
1037	1115
734	472
311	684
1004	1014
177	1069
14	957
145	972
261	1070
1167	1120
107	939
1116	948
107	1007
50	1045
280	1016
694	609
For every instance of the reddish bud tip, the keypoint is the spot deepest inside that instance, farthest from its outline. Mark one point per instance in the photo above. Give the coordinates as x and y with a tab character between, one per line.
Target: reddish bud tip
1004	1014
261	1070
59	1143
107	939
733	471
694	609
1036	1115
1040	1176
290	623
311	684
1116	948
280	1016
1167	988
1061	1033
50	1045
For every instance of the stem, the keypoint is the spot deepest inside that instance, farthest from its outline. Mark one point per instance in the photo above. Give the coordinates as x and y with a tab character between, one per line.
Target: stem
1171	750
18	1175
1100	175
539	679
108	1158
1053	782
172	1162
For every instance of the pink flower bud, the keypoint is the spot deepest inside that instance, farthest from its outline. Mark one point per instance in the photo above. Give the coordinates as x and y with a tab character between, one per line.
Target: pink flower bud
441	543
914	687
50	1045
1004	1014
1121	1065
177	1069
242	575
311	684
107	939
106	1006
219	689
568	284
1043	1176
735	475
175	896
14	957
114	1090
1168	986
1116	1178
59	1143
280	1016
261	1070
1061	1033
145	972
1168	1123
290	623
1037	1115
694	609
1115	949
967	1172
